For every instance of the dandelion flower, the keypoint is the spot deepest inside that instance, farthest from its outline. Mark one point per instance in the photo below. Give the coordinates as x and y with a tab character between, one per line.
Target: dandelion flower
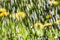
3	12
38	24
20	14
6	13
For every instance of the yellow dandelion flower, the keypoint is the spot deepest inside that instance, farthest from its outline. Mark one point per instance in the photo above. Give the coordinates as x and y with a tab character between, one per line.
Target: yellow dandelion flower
58	21
47	24
20	14
48	16
38	24
54	2
3	12
6	13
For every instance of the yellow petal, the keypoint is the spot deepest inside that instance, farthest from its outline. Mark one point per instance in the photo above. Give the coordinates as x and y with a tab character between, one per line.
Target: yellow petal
2	10
47	24
20	14
2	14
6	13
38	24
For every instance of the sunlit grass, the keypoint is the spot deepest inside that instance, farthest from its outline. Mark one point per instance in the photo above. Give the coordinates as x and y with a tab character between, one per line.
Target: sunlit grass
29	20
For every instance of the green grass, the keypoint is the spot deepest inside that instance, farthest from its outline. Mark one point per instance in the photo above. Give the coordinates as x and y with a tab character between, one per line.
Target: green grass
24	29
